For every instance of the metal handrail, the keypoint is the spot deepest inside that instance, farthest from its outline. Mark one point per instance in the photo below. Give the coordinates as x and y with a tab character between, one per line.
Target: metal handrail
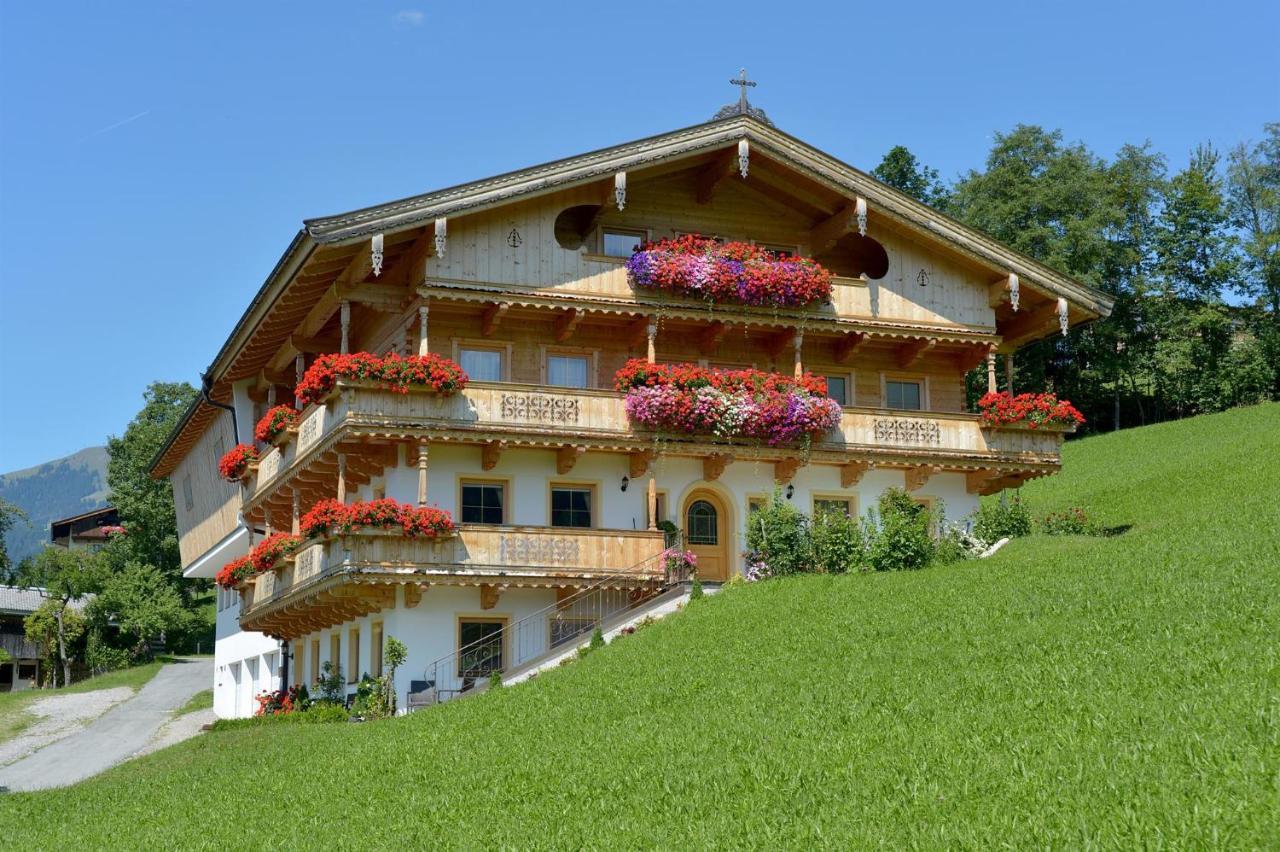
520	641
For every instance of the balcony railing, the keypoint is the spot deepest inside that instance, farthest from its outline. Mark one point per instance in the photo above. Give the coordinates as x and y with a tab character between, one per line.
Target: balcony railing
568	413
476	553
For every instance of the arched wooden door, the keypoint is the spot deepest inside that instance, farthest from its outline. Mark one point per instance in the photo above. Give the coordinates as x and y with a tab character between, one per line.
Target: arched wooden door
706	529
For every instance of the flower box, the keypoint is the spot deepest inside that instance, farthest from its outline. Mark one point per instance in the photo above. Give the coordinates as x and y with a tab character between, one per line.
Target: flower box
394	372
276	424
236	463
703	268
330	517
1029	411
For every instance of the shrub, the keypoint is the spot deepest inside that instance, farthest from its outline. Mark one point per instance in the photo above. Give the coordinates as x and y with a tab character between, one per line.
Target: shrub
778	535
317	713
839	543
956	544
597	639
695	591
1006	518
331	688
903	542
1074	521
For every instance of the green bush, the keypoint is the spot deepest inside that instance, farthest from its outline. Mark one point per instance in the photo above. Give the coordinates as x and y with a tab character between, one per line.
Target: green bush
1005	518
1074	521
331	688
839	542
779	534
903	542
316	714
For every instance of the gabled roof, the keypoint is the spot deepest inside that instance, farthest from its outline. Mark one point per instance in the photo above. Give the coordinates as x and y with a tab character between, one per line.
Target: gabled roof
16	601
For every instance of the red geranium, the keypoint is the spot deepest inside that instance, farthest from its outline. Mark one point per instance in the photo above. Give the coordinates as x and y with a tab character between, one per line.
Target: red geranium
330	516
235	462
395	372
234	571
272	549
275	422
1033	409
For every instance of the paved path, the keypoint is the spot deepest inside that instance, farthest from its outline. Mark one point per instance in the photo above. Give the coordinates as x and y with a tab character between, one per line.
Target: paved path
117	735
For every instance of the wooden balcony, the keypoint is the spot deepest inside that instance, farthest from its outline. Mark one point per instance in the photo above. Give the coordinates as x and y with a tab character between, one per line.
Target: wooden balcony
327	582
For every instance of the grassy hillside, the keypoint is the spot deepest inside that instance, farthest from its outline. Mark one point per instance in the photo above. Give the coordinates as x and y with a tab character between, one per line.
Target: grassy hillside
56	489
1069	692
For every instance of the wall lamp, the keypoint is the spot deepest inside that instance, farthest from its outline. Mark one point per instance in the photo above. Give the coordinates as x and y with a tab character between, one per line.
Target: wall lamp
626	480
791	490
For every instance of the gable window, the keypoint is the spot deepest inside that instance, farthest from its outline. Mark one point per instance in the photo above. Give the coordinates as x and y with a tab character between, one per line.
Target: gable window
615	242
568	371
902	394
481	365
484	502
838	389
571	505
479	646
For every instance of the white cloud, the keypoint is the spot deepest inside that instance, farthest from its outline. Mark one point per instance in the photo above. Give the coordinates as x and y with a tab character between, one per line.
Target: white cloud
409	18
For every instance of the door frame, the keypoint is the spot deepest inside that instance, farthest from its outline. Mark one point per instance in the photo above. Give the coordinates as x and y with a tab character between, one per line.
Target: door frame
726	503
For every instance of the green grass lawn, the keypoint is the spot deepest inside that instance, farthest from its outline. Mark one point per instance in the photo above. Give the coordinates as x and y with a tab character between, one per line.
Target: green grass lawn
1069	692
15	718
199	701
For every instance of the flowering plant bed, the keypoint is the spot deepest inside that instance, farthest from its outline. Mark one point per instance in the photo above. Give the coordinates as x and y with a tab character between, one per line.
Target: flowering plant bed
235	462
272	549
680	564
275	422
329	516
1032	409
703	268
234	572
751	404
395	372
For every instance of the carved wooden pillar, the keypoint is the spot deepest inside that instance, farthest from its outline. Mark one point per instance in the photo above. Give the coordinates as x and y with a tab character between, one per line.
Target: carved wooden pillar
799	343
1008	373
345	313
271	397
991	371
299	367
422	473
422	330
653	497
266	521
342	477
296	527
653	341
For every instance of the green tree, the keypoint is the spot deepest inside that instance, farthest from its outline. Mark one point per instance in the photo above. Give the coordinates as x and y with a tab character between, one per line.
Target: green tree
1193	238
9	515
146	504
901	170
1253	190
62	576
142	602
54	628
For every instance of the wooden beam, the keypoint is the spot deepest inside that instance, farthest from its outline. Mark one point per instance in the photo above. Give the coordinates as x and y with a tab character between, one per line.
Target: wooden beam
714	465
315	345
852	472
848	346
777	344
359	267
709	339
410	269
976	480
639	463
724	165
825	234
998	291
489	595
388	298
972	357
909	354
638	331
492	317
490	453
916	477
413	594
1029	324
567	457
785	469
566	323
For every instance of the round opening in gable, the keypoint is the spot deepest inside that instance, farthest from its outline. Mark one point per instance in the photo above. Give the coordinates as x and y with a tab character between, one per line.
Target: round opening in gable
854	255
573	223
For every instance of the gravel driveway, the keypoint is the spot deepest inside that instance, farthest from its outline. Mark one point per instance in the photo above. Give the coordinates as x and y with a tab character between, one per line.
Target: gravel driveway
116	735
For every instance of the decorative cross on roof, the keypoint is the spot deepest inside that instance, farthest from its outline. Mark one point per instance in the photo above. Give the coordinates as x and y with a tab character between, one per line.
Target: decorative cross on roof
742	83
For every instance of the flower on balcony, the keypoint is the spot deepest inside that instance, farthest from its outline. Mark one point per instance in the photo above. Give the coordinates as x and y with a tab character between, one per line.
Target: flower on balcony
729	404
274	423
110	531
272	549
697	266
235	462
392	371
1032	409
680	564
230	575
329	516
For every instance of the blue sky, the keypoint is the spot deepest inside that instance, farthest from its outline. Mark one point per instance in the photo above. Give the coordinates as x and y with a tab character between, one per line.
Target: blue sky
156	159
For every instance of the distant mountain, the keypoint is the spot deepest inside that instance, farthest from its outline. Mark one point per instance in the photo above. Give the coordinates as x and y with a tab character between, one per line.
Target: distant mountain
55	489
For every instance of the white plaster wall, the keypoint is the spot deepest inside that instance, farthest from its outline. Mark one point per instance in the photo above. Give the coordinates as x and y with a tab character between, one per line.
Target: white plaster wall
234	646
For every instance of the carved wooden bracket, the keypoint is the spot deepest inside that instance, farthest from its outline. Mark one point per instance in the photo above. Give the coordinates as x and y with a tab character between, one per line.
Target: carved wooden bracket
849	345
640	463
492	317
1029	324
566	323
972	357
777	344
489	595
567	457
564	596
910	353
977	480
714	465
711	336
851	473
413	594
638	331
785	469
490	453
916	477
825	234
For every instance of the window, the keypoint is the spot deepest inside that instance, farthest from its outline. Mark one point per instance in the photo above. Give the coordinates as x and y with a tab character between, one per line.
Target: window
567	627
838	389
481	365
375	650
188	499
755	504
353	655
479	647
571	506
315	660
483	503
619	243
567	371
778	249
841	505
26	671
335	651
904	395
701	523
